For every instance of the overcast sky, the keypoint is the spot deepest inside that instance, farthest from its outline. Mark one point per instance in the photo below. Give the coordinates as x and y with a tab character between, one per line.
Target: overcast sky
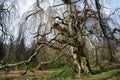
26	4
114	3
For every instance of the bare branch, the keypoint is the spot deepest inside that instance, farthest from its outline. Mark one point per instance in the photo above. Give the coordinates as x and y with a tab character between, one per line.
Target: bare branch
65	2
22	62
33	14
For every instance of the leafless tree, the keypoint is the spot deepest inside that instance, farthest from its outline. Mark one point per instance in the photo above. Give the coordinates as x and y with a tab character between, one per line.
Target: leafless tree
73	30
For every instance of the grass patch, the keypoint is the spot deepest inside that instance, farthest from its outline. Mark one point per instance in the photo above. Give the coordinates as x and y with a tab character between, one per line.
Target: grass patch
105	74
4	78
112	73
95	72
61	74
56	64
66	74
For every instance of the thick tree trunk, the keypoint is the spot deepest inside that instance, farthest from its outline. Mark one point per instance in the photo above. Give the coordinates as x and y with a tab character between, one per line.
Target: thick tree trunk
80	61
81	64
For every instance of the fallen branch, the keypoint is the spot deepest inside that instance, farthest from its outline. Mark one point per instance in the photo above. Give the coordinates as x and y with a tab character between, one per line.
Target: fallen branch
23	62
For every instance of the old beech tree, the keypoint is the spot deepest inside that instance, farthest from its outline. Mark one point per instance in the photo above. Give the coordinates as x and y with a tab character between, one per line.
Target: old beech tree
71	30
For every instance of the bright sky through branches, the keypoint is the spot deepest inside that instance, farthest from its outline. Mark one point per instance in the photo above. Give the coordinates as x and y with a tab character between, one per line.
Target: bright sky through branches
25	5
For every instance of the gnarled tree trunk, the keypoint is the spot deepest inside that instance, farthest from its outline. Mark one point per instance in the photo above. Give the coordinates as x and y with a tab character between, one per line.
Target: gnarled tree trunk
80	61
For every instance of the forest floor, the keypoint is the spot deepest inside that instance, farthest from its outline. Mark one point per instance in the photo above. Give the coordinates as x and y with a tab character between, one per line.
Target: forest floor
61	74
18	75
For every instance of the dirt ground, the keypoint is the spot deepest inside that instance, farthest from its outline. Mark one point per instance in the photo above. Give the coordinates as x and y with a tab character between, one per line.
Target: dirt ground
11	75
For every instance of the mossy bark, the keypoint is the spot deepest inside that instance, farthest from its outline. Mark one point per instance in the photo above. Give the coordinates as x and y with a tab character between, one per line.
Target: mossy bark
81	64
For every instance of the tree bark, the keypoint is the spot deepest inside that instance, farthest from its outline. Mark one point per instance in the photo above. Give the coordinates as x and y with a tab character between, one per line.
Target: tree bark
81	64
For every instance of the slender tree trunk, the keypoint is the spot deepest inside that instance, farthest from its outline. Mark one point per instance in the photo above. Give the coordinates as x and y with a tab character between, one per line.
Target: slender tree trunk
96	58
